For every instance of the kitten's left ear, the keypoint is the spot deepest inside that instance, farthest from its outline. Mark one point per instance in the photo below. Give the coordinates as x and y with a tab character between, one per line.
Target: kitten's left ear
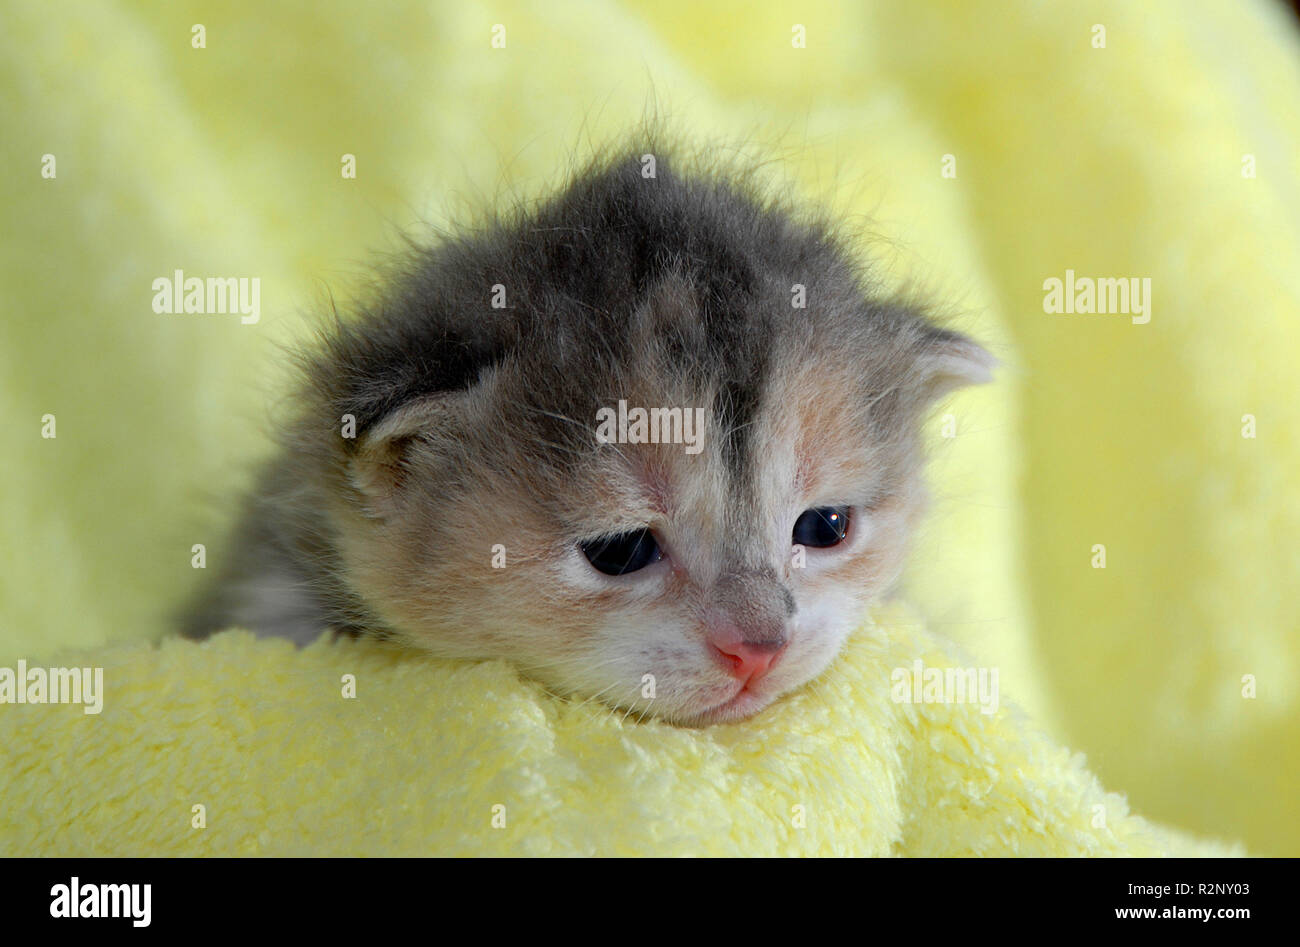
384	459
948	360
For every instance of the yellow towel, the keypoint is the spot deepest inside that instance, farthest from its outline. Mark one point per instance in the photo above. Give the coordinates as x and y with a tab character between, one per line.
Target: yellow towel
246	747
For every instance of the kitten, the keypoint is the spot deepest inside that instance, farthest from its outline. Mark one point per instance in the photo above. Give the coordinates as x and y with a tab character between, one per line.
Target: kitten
505	496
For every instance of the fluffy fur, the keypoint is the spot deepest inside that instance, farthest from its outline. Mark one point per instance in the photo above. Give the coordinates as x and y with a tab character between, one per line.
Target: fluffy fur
475	435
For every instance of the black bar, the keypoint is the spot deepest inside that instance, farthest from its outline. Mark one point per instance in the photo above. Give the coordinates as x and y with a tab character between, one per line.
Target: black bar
334	897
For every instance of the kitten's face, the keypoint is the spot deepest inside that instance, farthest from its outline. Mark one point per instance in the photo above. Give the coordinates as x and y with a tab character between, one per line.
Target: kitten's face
480	515
754	581
694	585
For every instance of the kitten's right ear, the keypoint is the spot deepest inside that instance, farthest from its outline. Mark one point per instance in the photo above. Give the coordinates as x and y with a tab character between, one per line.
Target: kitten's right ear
381	465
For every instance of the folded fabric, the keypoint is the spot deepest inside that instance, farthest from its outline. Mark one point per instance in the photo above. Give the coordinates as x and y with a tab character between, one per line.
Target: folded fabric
241	746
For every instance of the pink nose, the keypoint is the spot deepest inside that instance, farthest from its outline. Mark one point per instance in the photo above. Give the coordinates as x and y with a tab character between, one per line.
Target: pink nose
745	661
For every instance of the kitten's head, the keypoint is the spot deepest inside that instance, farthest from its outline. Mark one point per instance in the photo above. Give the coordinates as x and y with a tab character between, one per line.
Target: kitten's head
671	472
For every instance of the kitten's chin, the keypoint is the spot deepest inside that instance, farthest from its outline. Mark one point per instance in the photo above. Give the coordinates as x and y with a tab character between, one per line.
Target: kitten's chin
747	702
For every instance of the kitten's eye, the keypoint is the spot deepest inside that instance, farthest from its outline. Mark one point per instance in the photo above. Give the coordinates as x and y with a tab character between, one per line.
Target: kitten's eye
626	552
823	526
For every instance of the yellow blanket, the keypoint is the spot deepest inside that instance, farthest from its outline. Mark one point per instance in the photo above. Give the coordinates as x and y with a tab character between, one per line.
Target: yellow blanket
989	146
238	747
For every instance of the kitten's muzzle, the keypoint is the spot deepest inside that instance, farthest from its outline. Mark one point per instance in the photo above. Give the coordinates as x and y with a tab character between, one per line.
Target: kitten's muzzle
748	629
745	660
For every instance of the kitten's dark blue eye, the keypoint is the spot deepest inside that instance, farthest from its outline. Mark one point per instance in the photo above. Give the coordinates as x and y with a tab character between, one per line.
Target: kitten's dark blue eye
821	527
624	553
